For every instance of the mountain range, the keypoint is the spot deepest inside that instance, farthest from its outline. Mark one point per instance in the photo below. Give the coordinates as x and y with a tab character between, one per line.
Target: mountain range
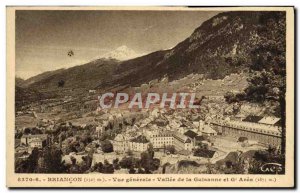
218	47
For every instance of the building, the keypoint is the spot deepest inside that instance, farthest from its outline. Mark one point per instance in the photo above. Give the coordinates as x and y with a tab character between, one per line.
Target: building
205	153
207	130
100	130
191	134
270	121
39	140
195	137
161	139
199	140
121	143
139	143
260	132
182	142
204	128
39	143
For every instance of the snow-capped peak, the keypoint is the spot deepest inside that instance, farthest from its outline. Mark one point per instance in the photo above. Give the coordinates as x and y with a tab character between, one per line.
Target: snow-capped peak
121	53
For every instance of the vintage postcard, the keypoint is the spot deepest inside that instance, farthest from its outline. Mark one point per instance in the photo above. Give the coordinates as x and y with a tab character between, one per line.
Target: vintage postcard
150	97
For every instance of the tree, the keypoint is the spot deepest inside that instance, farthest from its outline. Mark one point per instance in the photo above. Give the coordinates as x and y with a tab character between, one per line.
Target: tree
236	108
229	97
107	146
86	138
116	164
98	167
129	153
140	171
53	160
27	131
61	83
155	164
33	159
86	163
268	65
171	149
30	165
232	98
108	168
127	162
131	170
74	168
71	147
80	147
150	150
165	167
146	161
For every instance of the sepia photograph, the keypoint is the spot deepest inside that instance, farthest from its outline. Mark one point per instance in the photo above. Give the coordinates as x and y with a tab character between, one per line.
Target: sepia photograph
150	97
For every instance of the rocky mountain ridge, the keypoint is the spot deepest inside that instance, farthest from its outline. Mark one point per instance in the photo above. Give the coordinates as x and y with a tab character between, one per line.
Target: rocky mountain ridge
218	47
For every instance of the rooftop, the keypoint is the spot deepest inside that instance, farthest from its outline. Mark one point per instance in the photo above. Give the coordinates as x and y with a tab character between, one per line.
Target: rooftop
199	138
35	136
251	127
253	118
121	137
269	120
207	129
204	153
140	139
191	134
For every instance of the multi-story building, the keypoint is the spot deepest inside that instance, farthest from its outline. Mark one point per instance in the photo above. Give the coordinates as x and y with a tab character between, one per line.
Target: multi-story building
182	142
207	130
197	138
139	143
121	143
39	143
39	140
161	139
262	133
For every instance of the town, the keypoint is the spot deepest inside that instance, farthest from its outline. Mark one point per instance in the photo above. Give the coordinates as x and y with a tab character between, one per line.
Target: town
181	100
74	135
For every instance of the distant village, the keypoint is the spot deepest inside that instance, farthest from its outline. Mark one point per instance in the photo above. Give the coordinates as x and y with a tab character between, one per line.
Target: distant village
72	135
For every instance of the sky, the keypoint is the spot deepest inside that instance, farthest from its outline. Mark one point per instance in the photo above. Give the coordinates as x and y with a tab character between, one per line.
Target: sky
43	38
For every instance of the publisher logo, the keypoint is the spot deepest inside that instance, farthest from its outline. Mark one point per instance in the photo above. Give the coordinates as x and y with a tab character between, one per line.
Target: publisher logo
271	168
